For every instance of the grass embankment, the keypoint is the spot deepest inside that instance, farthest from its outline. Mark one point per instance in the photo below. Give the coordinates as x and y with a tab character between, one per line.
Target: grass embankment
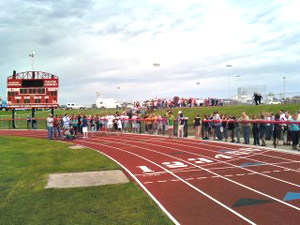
236	110
25	164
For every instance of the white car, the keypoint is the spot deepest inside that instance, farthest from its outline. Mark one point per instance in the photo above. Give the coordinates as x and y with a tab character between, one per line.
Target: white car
74	106
274	103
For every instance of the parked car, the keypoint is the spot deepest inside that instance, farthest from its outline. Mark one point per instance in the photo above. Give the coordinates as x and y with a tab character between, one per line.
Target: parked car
274	103
63	107
74	106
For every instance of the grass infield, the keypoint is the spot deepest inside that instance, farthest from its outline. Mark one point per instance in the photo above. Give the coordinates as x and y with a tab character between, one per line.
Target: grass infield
25	164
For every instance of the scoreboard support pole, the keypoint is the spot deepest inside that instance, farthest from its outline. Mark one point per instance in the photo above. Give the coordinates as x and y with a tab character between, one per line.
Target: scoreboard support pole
33	113
52	111
13	121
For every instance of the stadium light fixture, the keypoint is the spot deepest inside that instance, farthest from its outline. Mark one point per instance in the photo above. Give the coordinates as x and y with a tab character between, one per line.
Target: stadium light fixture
283	87
229	82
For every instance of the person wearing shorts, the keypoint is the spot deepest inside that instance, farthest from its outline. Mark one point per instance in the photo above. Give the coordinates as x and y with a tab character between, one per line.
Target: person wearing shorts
85	127
170	124
197	126
110	122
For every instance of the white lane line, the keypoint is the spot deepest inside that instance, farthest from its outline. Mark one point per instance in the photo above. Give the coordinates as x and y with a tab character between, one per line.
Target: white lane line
239	157
263	151
215	176
256	160
162	181
187	183
175	180
225	162
276	171
240	174
148	182
232	181
189	179
229	175
200	178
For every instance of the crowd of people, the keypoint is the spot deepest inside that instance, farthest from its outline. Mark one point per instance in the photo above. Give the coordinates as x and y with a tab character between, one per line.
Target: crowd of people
181	102
80	125
280	127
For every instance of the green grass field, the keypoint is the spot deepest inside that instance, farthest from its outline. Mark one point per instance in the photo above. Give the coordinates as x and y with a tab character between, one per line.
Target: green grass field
25	164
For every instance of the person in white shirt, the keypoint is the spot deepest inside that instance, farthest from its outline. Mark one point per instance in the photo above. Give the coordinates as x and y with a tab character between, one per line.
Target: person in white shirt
125	121
50	126
110	122
66	121
119	124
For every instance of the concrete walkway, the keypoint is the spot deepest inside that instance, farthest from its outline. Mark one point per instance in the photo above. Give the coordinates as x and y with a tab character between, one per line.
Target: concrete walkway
86	179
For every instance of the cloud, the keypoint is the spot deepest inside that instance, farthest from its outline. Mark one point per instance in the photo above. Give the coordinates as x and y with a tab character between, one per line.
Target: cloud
99	45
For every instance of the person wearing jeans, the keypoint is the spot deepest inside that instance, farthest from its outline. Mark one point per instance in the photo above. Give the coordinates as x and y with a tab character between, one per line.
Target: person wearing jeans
50	127
246	127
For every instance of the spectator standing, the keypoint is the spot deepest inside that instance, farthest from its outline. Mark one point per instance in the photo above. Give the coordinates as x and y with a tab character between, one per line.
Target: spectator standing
180	121
285	131
262	130
28	119
34	123
92	124
170	124
197	126
50	126
85	126
268	132
205	128
217	124
74	123
230	125
66	122
119	126
294	128
277	130
237	131
246	127
56	127
79	119
255	131
134	123
225	127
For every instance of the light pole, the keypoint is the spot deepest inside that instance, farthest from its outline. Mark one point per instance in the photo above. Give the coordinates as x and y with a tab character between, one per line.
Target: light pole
237	94
198	83
155	65
32	59
283	87
229	82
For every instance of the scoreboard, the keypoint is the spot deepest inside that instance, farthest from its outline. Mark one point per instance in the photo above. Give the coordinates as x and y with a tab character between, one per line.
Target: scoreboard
32	89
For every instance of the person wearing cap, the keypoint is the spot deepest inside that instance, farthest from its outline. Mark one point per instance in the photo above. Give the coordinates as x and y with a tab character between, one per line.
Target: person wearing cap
50	126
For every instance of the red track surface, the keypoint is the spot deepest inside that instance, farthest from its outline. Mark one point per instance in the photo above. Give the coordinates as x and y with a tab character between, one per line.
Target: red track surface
203	182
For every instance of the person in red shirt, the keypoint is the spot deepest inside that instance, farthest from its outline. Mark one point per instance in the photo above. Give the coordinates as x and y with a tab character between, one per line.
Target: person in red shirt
56	126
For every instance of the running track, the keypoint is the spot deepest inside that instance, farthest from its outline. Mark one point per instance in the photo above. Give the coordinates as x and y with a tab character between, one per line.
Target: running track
204	182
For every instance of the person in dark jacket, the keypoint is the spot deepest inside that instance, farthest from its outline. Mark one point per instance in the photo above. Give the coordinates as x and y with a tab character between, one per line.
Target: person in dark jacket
255	131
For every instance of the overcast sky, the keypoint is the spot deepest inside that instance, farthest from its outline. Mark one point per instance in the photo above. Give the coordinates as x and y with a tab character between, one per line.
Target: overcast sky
106	44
